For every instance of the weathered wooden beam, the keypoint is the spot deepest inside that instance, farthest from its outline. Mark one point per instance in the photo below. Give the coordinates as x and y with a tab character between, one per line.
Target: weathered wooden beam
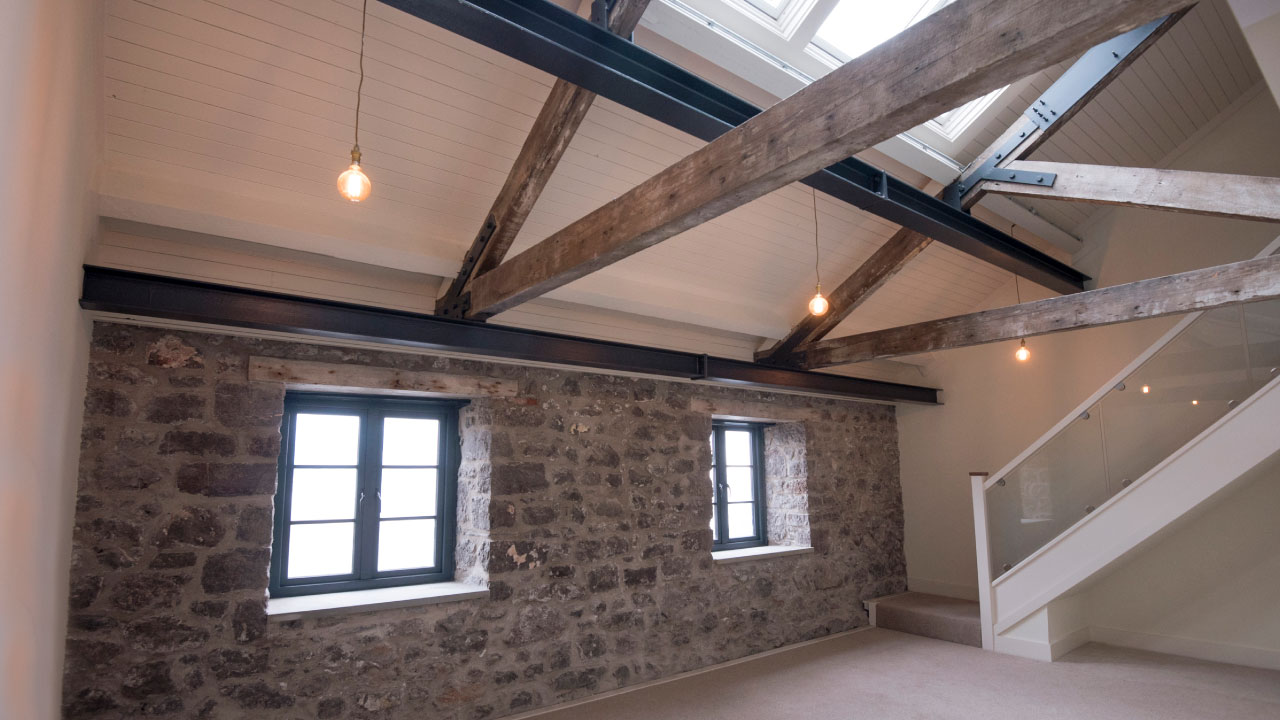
564	110
960	52
1248	281
906	244
883	264
1201	193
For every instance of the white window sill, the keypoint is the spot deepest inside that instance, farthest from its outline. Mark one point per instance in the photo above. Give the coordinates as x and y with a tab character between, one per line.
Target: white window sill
293	608
722	557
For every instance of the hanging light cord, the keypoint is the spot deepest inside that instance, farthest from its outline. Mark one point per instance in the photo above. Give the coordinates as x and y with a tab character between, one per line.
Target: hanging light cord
1016	288
816	273
364	17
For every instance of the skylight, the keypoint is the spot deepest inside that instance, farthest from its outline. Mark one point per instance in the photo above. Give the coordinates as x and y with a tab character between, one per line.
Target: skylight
856	26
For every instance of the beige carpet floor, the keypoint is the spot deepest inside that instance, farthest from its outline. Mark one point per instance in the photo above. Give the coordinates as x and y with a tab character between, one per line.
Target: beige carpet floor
880	673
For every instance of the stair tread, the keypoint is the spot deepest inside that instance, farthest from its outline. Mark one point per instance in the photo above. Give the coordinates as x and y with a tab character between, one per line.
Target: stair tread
934	616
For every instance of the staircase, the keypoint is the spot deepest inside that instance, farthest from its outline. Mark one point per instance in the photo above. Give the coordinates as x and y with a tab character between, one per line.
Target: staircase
932	616
1188	418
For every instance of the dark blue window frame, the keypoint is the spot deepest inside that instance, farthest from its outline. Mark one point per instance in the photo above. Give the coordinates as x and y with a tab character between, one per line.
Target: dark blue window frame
721	539
372	410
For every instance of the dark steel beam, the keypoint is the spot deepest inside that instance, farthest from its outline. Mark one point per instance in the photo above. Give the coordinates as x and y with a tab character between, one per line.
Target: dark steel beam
156	296
569	47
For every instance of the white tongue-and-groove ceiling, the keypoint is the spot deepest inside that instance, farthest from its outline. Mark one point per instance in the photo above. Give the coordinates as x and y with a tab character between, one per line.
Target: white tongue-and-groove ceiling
233	117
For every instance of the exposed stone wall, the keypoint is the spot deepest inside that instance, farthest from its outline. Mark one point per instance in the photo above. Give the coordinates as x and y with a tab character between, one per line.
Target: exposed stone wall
584	503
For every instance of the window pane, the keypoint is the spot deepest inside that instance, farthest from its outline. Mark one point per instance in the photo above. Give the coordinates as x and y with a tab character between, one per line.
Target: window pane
741	487
856	26
410	441
408	492
742	520
715	536
326	440
323	494
406	544
321	549
737	447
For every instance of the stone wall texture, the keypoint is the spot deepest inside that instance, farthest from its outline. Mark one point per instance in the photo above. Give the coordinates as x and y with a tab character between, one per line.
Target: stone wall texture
584	504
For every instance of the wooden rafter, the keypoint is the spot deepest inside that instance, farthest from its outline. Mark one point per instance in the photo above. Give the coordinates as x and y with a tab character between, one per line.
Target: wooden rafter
905	244
564	110
960	52
1248	281
1201	193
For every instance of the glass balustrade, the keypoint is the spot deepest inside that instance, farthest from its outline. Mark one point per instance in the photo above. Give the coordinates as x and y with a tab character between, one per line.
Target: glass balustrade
1201	374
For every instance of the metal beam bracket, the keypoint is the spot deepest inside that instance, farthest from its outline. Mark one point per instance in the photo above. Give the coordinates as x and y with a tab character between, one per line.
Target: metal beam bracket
1065	93
955	192
457	301
1022	177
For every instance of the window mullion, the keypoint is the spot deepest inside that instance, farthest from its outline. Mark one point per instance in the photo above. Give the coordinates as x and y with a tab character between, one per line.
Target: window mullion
757	484
722	488
369	510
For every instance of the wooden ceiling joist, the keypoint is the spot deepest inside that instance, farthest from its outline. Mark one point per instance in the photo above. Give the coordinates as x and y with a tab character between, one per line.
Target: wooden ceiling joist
544	35
565	108
1204	289
1087	80
1201	193
960	52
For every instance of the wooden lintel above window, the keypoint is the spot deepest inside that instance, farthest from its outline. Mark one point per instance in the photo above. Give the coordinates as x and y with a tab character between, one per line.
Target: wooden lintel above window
337	377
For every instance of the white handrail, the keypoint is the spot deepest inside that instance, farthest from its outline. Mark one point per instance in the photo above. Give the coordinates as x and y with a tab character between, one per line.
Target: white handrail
1107	387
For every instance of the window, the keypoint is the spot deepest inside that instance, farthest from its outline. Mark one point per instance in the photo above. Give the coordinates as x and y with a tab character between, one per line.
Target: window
366	493
782	45
856	26
737	485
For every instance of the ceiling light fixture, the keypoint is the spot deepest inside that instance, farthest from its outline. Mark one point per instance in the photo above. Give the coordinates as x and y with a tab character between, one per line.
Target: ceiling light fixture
1022	354
818	306
1146	389
354	184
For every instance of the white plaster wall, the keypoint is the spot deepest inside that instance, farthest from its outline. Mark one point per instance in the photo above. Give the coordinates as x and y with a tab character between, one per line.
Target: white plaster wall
1260	21
1208	588
49	93
995	407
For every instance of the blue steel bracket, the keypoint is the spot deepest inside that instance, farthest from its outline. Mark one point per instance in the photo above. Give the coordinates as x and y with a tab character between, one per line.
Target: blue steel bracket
1061	100
1022	177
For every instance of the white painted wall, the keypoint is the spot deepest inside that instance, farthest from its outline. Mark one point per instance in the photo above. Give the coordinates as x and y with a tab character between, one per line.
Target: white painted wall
1260	21
1207	589
50	94
996	407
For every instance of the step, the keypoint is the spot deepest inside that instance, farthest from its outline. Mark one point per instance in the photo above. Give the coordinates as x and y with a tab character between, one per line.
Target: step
932	616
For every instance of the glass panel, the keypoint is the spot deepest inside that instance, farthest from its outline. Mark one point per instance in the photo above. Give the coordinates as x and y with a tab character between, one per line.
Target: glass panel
321	549
406	544
856	26
1262	326
715	536
410	441
742	520
323	494
1196	378
741	487
408	492
1047	493
737	447
326	440
1174	396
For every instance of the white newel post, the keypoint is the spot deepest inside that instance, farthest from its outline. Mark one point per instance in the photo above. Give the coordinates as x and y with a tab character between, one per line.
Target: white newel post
981	541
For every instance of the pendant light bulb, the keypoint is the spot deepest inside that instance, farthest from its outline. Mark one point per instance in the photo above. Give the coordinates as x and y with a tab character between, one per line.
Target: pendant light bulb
819	306
1023	354
353	183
